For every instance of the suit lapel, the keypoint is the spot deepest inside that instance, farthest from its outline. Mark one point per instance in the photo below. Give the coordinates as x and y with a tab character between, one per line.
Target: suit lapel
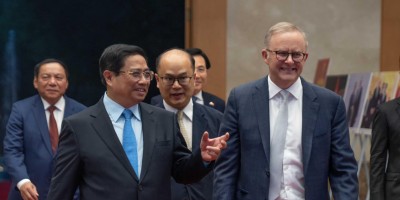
69	108
199	126
398	107
40	117
149	126
102	125
261	102
310	110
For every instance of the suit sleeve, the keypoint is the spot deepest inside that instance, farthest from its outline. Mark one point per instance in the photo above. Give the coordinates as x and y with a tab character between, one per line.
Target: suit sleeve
14	146
227	166
66	177
343	169
379	148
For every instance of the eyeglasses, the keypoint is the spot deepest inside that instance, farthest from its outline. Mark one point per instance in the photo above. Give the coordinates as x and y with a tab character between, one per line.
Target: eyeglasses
137	75
183	81
283	55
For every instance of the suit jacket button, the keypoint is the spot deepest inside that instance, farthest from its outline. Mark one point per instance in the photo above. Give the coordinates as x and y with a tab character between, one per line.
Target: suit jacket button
267	172
140	187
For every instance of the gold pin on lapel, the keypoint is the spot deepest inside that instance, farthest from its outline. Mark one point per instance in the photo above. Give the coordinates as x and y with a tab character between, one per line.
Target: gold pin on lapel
211	103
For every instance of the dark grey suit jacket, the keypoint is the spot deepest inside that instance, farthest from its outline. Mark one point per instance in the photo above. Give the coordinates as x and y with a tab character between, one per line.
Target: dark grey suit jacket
385	142
91	156
204	119
242	170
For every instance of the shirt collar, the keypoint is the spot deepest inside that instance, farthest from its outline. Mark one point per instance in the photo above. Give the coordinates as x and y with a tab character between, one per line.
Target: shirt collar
60	105
199	95
188	110
295	89
115	110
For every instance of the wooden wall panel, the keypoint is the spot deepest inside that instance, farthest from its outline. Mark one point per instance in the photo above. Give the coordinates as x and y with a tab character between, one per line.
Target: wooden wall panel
390	36
207	30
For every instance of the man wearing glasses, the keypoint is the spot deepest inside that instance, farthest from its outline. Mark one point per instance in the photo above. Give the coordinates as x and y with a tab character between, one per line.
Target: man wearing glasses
121	148
289	138
175	79
202	65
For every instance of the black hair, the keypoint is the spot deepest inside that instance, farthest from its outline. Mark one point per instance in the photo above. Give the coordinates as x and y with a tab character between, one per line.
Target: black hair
113	57
199	52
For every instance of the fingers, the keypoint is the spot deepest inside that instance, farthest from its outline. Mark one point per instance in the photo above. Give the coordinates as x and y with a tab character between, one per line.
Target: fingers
28	191
211	148
226	136
223	140
212	153
205	136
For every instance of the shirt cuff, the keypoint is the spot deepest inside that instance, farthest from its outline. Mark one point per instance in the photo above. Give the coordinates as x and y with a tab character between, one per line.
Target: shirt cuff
21	182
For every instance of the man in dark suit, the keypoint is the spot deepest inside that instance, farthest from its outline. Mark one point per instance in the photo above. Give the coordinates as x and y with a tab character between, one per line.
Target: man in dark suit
28	146
289	138
175	79
110	154
202	65
385	151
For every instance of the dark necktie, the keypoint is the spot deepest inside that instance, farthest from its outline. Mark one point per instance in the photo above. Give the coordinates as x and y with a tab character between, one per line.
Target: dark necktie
277	147
53	128
129	141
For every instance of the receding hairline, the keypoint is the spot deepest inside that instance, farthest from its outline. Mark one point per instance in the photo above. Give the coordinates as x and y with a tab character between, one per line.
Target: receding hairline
176	52
283	27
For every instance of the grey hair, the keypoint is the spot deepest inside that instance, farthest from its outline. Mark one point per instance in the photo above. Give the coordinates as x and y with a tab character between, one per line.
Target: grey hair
283	27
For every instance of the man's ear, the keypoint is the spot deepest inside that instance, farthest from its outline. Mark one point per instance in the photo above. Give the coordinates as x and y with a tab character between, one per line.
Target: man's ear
35	84
108	75
265	55
157	80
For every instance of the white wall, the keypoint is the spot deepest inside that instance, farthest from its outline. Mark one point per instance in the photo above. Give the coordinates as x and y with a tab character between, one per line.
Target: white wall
347	31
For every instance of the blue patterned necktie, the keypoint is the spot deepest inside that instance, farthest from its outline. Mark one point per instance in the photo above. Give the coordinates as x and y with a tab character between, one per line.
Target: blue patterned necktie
277	147
129	140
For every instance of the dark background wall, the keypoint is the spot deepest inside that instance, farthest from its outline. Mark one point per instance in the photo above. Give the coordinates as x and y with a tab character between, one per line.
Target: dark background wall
77	32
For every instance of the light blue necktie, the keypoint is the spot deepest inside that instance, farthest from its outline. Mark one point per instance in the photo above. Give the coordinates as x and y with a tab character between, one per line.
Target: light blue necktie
277	147
129	140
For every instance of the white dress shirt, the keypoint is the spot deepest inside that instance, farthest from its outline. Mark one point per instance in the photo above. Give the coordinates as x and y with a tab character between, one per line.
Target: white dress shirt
58	112
199	98
187	118
293	178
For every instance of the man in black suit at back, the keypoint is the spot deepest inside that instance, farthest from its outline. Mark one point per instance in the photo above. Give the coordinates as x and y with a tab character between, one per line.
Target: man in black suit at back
175	79
202	65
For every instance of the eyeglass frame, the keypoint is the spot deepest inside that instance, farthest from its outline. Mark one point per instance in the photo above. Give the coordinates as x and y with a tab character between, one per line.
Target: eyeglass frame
178	79
304	55
142	75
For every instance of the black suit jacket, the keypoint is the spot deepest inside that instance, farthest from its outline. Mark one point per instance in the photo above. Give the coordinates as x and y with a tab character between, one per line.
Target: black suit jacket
213	101
386	141
91	156
204	119
209	99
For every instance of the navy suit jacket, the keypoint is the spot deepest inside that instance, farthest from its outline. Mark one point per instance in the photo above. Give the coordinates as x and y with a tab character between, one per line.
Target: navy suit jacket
27	148
209	99
91	157
204	119
243	169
